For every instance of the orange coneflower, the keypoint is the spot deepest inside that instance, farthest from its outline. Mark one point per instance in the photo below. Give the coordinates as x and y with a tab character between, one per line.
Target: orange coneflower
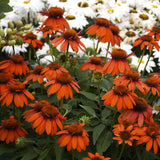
95	157
102	30
155	31
118	63
150	134
94	63
47	119
36	107
14	65
36	74
11	130
31	38
141	111
68	38
125	134
4	79
55	18
153	85
16	92
62	84
74	137
132	79
52	70
116	37
146	40
47	30
119	96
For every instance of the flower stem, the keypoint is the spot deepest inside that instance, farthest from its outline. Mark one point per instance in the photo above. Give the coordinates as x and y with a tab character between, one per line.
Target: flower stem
147	62
107	52
114	116
30	57
72	154
120	156
61	107
141	58
66	56
90	79
98	91
38	61
95	52
50	48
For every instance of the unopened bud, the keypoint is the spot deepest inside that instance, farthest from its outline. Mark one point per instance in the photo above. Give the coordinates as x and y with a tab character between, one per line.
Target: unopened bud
11	42
98	75
134	67
2	42
19	24
10	25
85	119
21	142
2	34
9	31
129	60
19	40
27	27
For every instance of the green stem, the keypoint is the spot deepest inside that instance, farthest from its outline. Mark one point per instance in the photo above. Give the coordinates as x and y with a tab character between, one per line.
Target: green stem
145	155
141	58
95	52
114	116
48	141
18	115
61	107
147	62
98	91
50	48
107	51
42	90
72	154
38	61
120	156
66	56
30	57
90	79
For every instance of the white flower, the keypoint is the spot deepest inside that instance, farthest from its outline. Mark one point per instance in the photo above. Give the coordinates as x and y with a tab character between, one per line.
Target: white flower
129	35
9	17
156	107
44	55
136	60
16	49
75	21
142	19
27	8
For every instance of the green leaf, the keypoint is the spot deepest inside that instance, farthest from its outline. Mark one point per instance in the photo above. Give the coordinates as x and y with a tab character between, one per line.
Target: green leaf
43	154
29	155
4	7
105	113
6	149
97	131
89	110
58	150
89	95
68	109
104	141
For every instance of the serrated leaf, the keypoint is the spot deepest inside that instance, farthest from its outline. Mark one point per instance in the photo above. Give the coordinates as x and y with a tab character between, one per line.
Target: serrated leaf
97	131
89	95
89	110
104	142
29	155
